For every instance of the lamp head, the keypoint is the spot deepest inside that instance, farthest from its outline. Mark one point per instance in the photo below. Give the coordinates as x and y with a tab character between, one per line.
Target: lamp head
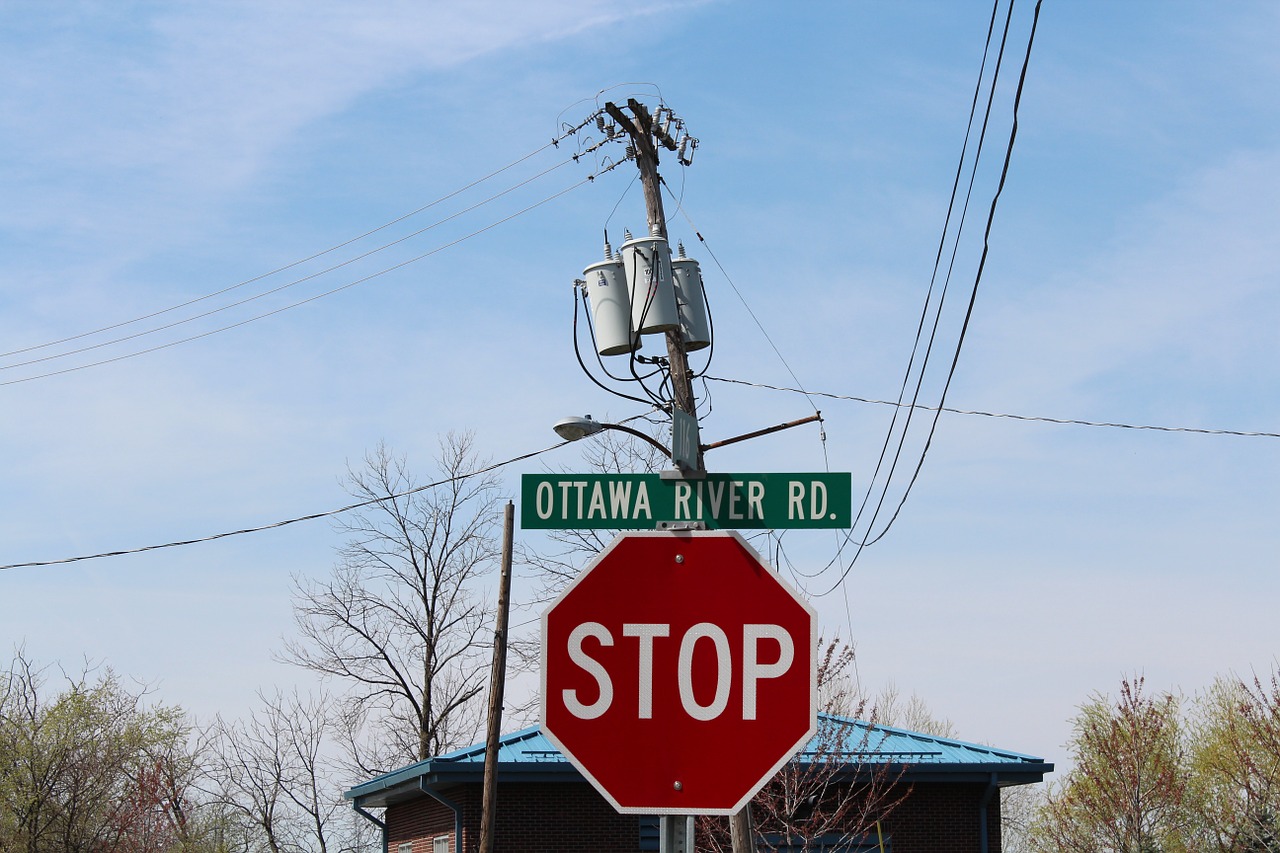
574	428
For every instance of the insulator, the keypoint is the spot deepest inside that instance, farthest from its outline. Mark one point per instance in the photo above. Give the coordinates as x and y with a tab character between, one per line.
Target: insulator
692	146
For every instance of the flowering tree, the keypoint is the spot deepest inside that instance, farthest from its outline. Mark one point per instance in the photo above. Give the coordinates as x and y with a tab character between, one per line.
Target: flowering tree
1128	791
1235	755
93	766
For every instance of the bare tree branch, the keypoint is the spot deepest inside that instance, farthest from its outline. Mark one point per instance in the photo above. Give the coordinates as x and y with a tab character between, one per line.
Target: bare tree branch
402	617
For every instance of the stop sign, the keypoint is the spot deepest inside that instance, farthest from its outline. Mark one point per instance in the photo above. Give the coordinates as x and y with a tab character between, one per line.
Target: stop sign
678	672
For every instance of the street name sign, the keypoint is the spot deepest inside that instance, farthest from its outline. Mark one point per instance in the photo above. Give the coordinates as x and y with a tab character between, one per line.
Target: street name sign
678	672
720	501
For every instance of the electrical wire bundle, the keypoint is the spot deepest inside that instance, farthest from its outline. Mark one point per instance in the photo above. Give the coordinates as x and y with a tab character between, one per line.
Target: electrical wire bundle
870	523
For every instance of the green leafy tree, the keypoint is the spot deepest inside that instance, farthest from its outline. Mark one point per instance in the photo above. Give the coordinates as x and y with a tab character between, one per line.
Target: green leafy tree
1128	791
1236	765
93	767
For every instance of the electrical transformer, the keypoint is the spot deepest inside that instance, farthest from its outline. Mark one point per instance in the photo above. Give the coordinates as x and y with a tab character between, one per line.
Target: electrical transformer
690	301
609	297
646	261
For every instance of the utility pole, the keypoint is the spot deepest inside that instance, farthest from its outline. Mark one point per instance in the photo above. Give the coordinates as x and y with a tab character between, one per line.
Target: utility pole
741	832
643	135
497	682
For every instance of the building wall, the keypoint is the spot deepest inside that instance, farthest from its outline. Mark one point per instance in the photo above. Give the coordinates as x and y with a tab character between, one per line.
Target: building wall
941	818
418	821
571	817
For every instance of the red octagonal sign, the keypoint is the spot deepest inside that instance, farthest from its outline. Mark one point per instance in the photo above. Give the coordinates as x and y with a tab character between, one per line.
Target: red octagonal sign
678	672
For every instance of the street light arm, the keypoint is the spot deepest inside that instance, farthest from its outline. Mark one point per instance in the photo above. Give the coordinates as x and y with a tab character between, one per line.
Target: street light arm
640	435
574	428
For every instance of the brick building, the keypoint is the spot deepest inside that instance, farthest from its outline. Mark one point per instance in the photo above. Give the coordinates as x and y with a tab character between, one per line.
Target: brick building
952	801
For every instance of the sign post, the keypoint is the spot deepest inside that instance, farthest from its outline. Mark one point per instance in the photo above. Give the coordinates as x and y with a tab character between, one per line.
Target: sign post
678	672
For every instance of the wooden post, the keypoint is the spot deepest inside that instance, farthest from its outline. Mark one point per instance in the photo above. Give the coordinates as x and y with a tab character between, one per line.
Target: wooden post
641	132
741	833
497	682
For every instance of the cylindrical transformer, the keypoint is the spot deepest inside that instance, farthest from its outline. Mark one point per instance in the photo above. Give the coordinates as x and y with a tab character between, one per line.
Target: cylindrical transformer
691	302
647	263
606	287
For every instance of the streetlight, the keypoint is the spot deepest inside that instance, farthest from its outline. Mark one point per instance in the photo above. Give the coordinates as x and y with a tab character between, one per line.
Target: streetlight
574	428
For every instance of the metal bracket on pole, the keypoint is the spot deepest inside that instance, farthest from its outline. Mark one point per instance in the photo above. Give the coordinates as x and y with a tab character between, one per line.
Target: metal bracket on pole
681	525
675	834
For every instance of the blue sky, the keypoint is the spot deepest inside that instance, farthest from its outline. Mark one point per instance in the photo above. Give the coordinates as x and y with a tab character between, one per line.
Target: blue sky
153	153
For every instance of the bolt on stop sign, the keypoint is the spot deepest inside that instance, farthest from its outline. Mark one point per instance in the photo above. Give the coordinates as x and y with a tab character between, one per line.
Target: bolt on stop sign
678	672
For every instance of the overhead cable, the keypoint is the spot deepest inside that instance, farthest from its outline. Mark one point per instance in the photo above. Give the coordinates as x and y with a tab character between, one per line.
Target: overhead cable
309	299
1005	415
942	297
296	263
286	285
278	524
867	538
982	263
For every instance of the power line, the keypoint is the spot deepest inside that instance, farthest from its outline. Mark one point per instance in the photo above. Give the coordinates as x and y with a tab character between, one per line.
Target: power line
986	248
309	299
298	262
946	284
282	287
866	537
274	525
1005	415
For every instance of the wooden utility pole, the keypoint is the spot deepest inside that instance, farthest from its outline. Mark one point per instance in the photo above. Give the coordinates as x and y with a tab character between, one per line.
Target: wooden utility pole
497	682
741	833
643	136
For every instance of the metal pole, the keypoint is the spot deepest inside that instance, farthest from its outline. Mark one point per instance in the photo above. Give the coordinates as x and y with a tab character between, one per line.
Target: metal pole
497	681
675	834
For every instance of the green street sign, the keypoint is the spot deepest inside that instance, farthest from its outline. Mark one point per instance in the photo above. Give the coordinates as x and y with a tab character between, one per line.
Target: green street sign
721	501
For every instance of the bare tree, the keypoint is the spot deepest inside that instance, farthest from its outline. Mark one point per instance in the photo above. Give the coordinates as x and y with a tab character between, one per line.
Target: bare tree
1019	805
402	619
277	773
834	792
913	713
608	453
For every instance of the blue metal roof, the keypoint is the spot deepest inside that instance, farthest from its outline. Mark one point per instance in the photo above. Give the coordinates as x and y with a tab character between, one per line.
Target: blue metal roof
857	739
528	755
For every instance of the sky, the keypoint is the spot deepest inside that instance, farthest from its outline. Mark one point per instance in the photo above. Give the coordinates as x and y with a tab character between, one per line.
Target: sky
153	153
